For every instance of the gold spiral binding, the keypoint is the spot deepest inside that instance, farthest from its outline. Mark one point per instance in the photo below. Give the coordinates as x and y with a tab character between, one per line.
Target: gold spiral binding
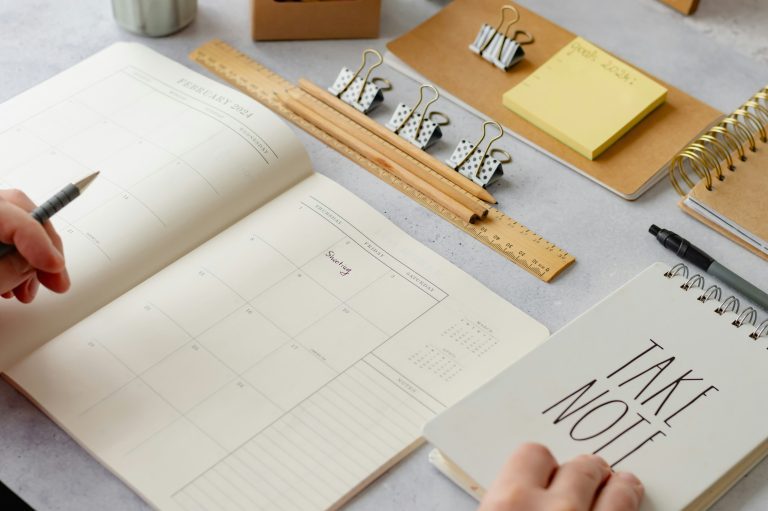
722	152
713	162
729	139
735	133
762	96
752	121
759	109
742	132
695	163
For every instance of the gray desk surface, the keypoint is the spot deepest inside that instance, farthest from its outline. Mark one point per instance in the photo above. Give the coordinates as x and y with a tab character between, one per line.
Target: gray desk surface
719	56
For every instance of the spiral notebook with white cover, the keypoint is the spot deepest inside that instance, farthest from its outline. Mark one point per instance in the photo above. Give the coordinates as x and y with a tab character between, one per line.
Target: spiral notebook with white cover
662	378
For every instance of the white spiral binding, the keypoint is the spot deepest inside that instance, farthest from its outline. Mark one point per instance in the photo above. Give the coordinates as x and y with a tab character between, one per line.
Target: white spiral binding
714	292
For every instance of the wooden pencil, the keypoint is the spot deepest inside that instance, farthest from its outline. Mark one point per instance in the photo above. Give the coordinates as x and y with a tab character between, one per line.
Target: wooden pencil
461	196
372	154
397	141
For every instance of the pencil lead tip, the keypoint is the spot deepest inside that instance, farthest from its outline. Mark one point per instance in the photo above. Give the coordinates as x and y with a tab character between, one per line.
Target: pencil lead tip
83	183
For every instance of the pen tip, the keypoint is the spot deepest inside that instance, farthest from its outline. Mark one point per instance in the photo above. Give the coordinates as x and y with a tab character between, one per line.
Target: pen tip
83	183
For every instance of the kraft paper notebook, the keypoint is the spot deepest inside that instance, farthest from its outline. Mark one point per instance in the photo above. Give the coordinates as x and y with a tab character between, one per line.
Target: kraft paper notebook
437	52
667	383
241	333
723	176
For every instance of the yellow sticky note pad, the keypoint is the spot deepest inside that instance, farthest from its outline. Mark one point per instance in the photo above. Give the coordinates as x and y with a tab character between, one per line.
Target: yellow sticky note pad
585	97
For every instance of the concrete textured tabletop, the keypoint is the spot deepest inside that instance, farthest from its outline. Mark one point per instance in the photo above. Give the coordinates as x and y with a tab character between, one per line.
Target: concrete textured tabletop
720	56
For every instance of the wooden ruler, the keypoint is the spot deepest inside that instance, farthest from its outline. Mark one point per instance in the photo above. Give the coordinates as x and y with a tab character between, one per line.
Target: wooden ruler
498	231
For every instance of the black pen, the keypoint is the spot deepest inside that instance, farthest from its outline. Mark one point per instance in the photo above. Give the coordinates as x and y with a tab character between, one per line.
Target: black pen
691	253
50	207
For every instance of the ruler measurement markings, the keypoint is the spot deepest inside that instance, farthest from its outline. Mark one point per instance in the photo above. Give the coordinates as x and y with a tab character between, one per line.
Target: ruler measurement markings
499	232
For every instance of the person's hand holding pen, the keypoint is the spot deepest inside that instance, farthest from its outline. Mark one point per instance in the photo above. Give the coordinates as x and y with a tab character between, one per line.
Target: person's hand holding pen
38	258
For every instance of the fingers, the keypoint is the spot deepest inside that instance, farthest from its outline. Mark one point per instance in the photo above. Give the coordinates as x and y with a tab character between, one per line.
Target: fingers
530	465
14	270
55	238
19	198
526	483
622	492
39	247
522	480
579	479
56	282
30	238
27	290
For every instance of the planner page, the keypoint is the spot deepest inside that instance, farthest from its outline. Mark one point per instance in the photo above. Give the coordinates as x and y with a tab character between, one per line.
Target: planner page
181	157
280	366
651	378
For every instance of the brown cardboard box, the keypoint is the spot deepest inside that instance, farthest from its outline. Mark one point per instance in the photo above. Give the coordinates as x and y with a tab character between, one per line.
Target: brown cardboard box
685	6
327	19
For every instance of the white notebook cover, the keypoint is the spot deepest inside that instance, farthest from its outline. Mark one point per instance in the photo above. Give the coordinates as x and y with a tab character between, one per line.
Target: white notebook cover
606	383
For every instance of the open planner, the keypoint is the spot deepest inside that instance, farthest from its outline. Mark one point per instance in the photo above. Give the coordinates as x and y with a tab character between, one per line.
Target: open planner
663	378
241	332
437	52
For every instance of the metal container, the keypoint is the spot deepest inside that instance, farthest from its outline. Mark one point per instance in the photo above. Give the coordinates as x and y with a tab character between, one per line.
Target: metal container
154	18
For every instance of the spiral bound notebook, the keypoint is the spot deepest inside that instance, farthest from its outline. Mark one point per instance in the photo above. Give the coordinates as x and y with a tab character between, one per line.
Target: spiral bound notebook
669	384
730	163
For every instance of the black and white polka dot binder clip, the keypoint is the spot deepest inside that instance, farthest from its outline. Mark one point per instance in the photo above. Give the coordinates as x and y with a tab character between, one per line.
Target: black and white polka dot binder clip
479	165
422	129
499	48
361	92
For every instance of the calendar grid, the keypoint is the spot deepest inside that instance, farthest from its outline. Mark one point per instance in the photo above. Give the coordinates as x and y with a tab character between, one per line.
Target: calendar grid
278	363
58	151
348	386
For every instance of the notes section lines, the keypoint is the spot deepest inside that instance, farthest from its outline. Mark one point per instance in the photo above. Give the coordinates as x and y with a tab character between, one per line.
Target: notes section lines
315	454
386	370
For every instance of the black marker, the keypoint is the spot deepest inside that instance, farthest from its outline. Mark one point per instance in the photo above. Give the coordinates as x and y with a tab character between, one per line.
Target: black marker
694	255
